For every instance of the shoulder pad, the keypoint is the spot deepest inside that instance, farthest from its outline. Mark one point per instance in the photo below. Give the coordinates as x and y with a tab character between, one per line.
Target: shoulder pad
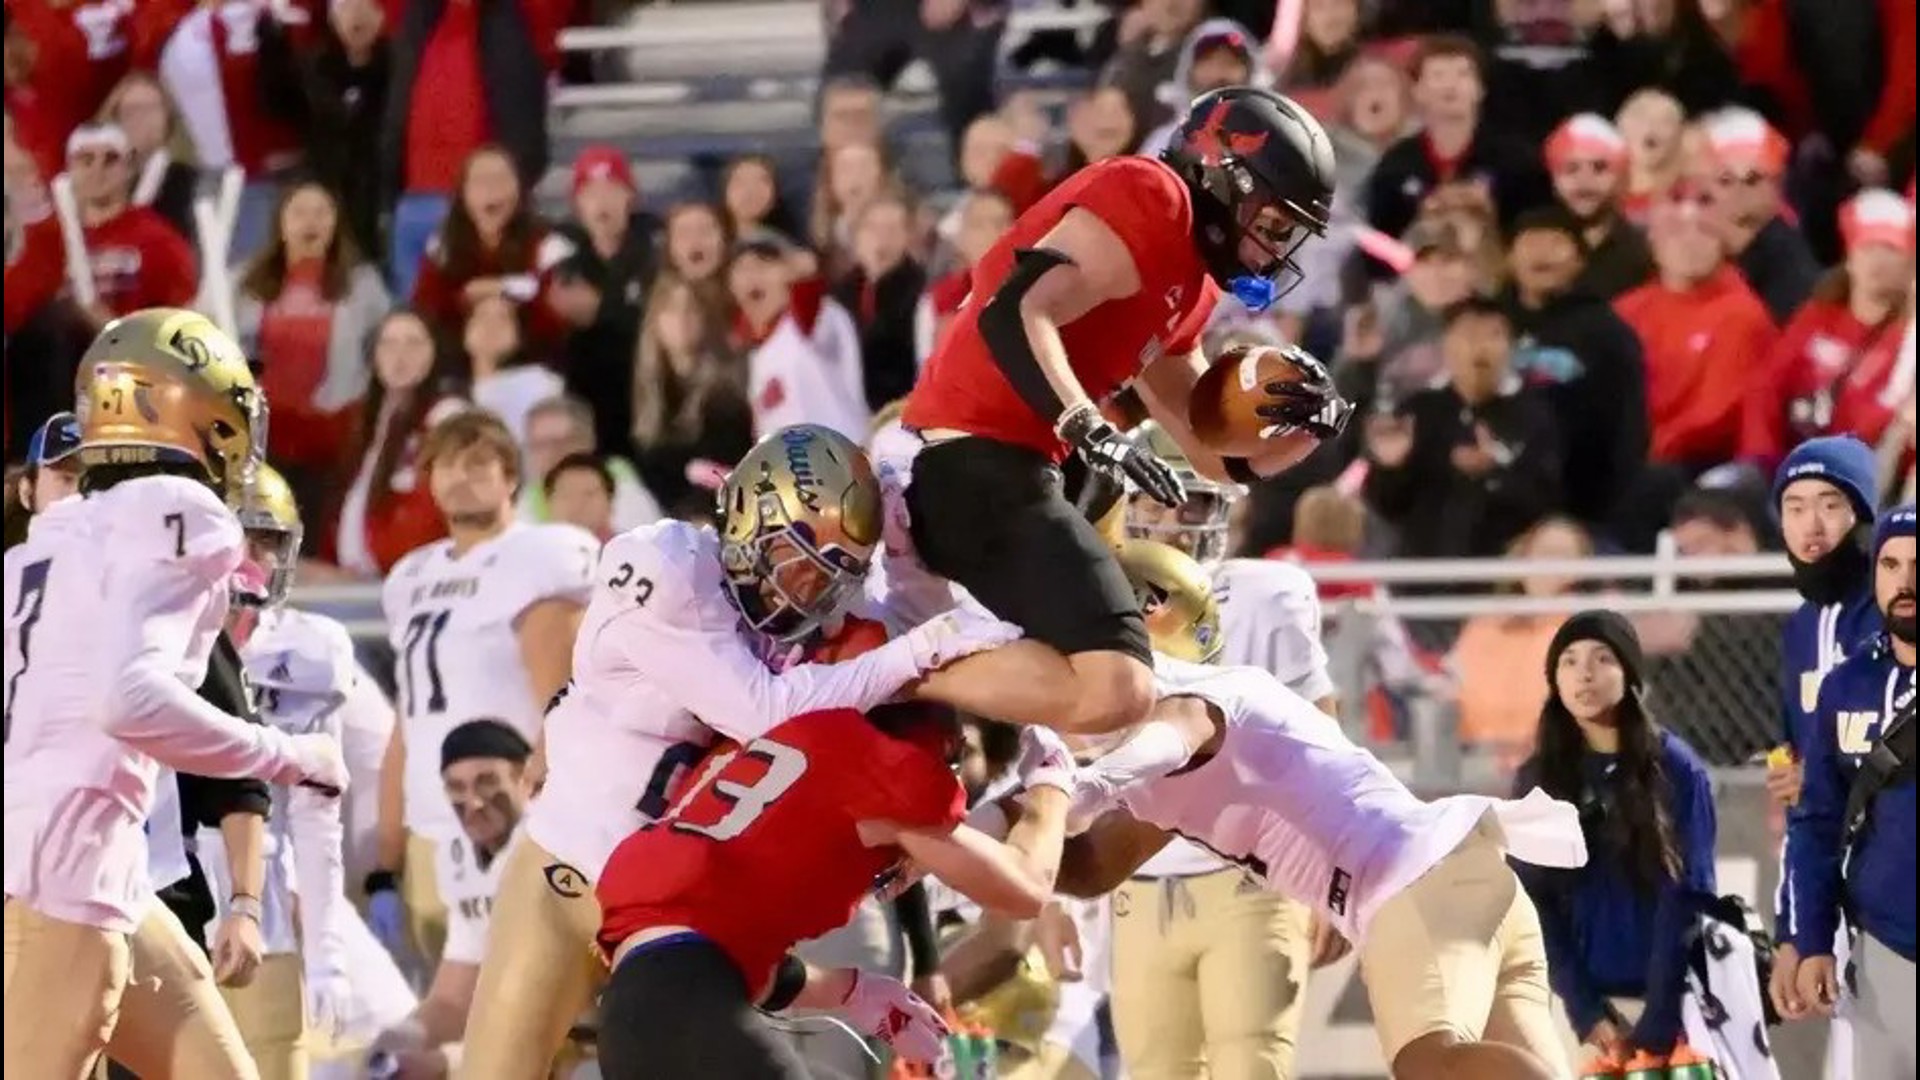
298	651
680	561
1265	581
168	518
552	540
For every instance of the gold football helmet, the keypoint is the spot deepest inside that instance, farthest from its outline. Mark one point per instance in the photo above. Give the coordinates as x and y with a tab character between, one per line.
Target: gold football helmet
271	518
799	521
1176	598
1197	526
166	386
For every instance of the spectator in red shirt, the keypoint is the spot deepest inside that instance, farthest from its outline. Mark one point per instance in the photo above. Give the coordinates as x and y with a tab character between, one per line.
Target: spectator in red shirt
1749	159
387	509
1704	334
137	259
490	245
208	55
305	307
164	174
1834	368
62	58
481	67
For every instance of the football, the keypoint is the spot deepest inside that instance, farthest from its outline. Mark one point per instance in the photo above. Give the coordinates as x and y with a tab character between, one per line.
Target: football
1221	408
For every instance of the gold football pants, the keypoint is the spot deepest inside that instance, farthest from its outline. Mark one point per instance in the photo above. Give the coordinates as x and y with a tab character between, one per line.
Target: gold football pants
420	891
271	1013
74	992
1209	976
1460	950
540	971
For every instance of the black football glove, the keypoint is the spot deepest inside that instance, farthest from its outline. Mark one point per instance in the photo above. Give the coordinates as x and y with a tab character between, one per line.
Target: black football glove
1103	448
1311	404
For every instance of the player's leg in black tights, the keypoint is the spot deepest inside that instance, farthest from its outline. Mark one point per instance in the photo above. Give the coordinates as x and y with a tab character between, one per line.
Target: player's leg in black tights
680	1012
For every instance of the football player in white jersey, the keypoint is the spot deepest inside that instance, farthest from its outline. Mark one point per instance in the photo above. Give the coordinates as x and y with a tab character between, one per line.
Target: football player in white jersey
690	632
1204	967
482	624
485	771
305	678
126	611
1450	947
53	473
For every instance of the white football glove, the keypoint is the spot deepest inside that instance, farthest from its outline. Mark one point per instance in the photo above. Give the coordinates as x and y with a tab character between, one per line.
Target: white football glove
330	1002
882	1008
313	759
1044	760
963	631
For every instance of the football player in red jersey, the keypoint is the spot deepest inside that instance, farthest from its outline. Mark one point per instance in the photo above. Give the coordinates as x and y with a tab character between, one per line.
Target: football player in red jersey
1108	280
777	844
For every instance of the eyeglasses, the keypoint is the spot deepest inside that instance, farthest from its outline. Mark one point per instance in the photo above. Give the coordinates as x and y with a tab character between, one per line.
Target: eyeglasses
1690	195
1594	167
1750	178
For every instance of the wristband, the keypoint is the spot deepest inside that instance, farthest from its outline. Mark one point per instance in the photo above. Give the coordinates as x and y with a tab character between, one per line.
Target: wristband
1079	423
788	980
1240	471
378	881
245	905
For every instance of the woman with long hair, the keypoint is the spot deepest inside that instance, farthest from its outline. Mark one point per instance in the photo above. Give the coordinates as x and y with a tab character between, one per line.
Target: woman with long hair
750	194
1616	929
689	394
305	305
491	244
387	510
164	174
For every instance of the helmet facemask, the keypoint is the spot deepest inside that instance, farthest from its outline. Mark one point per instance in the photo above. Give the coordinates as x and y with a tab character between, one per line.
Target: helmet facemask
1197	526
1250	237
781	581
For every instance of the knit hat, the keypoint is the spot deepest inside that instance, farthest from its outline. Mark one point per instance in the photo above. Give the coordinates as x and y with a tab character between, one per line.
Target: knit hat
1607	627
1840	460
484	739
1895	522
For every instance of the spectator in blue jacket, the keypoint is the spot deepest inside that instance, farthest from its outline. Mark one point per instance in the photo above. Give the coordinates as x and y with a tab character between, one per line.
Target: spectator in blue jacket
1618	927
1823	495
1869	873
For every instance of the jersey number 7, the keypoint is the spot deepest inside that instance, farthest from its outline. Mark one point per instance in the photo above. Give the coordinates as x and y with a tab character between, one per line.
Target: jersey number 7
721	807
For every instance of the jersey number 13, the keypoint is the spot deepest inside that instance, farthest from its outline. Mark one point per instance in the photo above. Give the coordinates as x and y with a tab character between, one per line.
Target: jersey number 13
730	805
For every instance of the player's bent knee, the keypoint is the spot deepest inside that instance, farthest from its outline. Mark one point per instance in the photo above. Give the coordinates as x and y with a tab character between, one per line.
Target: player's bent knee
1114	691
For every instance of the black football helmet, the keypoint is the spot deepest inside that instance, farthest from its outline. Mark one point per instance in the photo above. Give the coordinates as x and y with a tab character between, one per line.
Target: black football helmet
1242	150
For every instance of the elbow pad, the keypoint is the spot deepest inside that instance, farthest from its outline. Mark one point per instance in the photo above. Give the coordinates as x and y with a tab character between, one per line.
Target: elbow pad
1005	332
788	980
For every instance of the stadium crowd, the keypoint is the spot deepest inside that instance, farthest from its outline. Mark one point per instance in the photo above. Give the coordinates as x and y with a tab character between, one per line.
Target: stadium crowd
1597	270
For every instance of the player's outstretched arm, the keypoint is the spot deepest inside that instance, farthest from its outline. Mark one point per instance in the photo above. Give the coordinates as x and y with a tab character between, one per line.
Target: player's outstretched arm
149	708
993	874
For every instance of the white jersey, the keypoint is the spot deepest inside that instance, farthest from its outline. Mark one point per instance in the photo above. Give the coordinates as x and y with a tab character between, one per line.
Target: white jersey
451	620
300	667
467	887
127	609
1321	820
1269	619
662	660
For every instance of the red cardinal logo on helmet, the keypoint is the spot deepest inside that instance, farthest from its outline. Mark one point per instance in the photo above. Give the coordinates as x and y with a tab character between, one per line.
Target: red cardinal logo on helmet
1214	143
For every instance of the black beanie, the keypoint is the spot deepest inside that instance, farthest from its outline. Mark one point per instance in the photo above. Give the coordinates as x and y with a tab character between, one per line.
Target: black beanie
484	739
1607	627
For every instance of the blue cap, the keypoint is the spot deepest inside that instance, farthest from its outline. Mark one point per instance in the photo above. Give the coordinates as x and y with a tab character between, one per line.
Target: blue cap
1895	522
55	441
1840	460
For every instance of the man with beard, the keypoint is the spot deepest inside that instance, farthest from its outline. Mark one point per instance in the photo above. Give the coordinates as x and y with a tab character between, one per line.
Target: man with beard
1749	162
483	764
1587	158
1853	833
1823	495
1572	343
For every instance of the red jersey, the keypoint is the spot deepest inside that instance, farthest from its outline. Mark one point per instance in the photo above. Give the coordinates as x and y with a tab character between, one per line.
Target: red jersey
76	52
765	852
1830	373
140	261
1705	350
962	388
